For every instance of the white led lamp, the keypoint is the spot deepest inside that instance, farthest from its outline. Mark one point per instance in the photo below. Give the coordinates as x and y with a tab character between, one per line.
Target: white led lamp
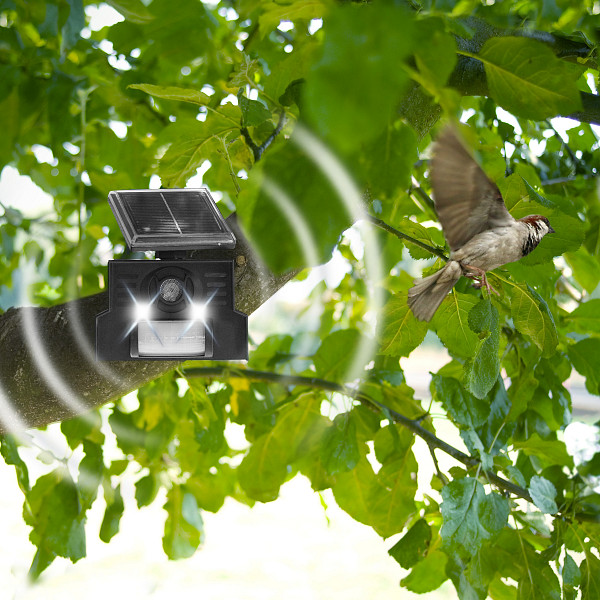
174	309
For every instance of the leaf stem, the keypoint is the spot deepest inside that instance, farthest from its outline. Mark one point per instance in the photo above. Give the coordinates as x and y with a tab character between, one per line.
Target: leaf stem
231	169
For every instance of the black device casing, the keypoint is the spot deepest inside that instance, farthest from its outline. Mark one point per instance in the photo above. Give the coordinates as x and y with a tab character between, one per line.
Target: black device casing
205	281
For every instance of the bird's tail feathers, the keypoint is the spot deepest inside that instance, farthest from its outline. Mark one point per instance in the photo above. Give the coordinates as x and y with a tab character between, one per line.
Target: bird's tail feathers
425	297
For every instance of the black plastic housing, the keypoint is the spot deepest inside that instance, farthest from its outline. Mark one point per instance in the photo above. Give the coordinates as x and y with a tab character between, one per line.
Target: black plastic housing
138	281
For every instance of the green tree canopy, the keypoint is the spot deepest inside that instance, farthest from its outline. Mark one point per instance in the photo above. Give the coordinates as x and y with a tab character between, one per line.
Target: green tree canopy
306	117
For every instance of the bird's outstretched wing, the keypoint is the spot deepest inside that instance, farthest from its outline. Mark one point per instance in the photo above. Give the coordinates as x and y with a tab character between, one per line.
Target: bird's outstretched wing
467	202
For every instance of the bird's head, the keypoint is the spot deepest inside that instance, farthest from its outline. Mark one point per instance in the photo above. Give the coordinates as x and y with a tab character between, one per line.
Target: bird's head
539	223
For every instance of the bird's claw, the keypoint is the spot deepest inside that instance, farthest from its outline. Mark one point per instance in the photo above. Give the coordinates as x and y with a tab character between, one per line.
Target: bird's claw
480	280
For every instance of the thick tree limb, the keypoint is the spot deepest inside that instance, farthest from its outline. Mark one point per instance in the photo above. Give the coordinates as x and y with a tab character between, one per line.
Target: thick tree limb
47	368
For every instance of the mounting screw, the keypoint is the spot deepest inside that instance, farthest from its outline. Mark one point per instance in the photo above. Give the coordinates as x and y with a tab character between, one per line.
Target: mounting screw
240	260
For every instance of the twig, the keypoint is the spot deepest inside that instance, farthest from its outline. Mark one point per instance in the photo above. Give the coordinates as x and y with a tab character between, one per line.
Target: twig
231	169
257	151
560	180
440	475
407	238
424	196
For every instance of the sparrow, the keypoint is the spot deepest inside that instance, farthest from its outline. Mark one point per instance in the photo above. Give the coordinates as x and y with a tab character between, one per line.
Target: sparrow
481	233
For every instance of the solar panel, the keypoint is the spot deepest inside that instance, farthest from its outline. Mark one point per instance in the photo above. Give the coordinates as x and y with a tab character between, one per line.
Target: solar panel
170	219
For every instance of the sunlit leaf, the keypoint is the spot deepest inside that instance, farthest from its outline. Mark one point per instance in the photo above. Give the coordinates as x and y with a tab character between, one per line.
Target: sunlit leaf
526	78
399	331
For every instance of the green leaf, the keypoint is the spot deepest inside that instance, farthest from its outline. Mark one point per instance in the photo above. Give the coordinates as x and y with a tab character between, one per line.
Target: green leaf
264	470
412	546
451	321
173	93
275	12
586	317
571	576
421	234
194	143
435	53
133	10
291	70
464	408
428	574
344	96
470	516
336	354
267	464
383	501
590	577
586	268
354	490
184	528
211	489
112	516
339	447
399	332
74	24
146	489
539	580
293	216
80	428
481	371
543	494
10	453
54	514
253	112
391	442
585	356
532	317
552	451
386	163
91	472
392	505
526	78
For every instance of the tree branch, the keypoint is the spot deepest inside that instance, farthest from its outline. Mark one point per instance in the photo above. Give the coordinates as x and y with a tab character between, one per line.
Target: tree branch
315	382
407	238
411	424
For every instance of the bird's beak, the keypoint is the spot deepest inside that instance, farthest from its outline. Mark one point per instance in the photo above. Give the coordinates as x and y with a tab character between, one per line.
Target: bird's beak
550	230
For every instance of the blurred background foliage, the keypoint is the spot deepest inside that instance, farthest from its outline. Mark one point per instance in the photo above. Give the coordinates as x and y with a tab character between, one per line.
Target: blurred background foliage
225	93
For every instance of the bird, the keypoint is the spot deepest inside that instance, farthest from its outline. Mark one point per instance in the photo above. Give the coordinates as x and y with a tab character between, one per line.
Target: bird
481	234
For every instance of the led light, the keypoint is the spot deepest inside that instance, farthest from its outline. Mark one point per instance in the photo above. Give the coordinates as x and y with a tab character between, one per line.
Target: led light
142	311
171	338
199	312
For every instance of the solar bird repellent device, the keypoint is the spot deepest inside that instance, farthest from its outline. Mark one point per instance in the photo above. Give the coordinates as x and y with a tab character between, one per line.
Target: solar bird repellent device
172	308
